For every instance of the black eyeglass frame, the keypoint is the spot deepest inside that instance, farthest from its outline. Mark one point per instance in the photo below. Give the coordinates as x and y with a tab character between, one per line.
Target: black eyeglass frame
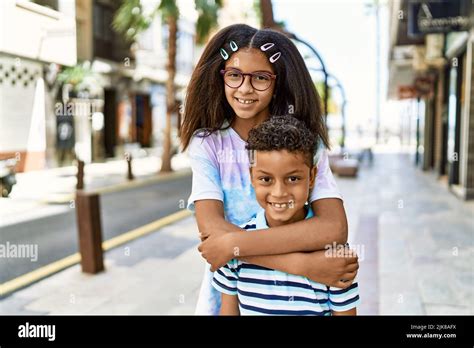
272	77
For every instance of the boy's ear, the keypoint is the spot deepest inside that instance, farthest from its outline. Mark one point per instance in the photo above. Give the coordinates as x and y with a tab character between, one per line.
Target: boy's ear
251	176
312	176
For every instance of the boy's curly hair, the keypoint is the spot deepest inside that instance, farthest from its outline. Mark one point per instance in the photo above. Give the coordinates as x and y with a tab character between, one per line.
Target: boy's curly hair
283	133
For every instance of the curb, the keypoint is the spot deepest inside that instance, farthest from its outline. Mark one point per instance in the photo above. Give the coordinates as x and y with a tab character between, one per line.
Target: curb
57	266
68	197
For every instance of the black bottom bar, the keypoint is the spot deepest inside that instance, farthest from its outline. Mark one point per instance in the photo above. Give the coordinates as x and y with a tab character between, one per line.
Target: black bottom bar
292	331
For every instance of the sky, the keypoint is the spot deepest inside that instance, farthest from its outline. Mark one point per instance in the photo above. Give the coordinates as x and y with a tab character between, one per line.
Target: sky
343	32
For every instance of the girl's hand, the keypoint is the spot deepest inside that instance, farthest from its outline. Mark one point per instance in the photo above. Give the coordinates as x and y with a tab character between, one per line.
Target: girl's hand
217	249
203	235
334	271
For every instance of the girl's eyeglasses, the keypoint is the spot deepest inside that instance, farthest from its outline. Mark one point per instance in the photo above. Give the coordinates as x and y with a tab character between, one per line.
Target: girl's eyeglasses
259	80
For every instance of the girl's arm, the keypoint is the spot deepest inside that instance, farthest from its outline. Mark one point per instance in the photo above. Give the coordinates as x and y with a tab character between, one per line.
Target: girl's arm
218	249
329	225
229	305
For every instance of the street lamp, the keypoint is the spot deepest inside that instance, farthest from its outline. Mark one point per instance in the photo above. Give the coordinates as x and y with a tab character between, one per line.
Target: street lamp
344	101
323	69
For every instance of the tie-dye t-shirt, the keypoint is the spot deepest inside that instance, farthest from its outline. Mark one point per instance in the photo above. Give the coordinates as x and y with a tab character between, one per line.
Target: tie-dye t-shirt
220	167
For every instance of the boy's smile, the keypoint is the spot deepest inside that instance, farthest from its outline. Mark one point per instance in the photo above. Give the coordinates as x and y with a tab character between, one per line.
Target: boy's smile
282	181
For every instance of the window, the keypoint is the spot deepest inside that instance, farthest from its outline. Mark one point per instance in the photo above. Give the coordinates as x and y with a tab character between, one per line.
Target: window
52	4
107	43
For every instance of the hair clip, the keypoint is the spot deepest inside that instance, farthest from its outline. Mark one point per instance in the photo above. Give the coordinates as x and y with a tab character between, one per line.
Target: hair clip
275	57
224	54
267	46
233	46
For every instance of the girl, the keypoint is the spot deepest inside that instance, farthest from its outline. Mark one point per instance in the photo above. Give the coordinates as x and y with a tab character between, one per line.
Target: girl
243	76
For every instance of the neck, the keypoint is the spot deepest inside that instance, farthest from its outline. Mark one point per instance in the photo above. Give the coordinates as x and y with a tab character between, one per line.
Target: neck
299	216
243	126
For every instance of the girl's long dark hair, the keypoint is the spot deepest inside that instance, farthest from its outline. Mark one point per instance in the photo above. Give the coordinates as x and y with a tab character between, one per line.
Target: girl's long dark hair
206	106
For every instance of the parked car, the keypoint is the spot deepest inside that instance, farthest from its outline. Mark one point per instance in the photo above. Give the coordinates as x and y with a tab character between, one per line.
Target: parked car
7	176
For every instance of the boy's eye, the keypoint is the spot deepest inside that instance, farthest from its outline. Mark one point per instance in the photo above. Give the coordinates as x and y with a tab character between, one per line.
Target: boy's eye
265	179
293	179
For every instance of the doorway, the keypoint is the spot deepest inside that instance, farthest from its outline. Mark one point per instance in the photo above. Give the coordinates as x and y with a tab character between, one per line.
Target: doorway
110	122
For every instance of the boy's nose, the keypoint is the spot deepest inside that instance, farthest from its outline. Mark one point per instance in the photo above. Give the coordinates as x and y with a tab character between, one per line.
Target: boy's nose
279	190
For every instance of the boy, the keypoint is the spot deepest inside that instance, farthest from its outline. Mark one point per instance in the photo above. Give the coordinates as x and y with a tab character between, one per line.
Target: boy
282	173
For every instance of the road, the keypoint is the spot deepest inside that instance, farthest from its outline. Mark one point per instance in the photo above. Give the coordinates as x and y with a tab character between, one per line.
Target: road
56	236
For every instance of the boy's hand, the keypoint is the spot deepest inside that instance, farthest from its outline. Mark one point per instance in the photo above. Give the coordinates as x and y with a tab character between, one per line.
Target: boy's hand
331	270
217	249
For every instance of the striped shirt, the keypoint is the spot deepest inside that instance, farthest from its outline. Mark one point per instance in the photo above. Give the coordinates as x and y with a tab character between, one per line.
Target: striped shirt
264	291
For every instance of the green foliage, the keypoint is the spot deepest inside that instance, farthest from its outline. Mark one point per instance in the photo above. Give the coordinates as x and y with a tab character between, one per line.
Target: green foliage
76	74
332	106
129	19
257	10
168	9
81	78
207	10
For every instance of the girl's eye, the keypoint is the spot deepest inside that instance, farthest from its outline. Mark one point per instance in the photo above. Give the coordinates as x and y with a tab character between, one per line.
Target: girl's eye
233	75
265	179
293	179
261	77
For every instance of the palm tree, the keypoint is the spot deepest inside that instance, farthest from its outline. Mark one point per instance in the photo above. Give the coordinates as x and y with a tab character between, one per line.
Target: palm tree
130	20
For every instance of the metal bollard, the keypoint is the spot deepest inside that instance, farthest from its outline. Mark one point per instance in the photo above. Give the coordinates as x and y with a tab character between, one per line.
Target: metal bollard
128	158
90	232
80	175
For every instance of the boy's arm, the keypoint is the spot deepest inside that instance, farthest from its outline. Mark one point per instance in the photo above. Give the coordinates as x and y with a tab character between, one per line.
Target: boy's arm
315	265
352	312
229	305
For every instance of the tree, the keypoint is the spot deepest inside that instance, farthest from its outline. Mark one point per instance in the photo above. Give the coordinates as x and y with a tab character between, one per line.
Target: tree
130	20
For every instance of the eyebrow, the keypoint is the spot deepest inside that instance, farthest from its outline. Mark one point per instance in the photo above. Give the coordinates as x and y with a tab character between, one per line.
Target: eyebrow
293	172
253	72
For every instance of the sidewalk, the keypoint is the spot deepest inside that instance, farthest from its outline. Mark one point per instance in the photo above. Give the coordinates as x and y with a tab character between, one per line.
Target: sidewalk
48	192
415	239
156	274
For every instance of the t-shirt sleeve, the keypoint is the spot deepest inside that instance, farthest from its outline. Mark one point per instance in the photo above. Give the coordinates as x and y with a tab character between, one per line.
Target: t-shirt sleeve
206	182
325	185
225	278
341	300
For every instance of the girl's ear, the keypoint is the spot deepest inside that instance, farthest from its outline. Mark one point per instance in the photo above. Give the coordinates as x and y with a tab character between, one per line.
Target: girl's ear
312	176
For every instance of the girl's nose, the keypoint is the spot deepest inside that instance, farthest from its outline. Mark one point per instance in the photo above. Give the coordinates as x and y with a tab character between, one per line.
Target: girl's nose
246	86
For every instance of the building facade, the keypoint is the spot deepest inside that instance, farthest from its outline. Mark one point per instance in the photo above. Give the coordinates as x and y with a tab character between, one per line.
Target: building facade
36	39
431	67
120	101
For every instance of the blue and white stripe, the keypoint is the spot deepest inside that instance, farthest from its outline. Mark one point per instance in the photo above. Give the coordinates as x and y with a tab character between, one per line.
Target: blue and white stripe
263	291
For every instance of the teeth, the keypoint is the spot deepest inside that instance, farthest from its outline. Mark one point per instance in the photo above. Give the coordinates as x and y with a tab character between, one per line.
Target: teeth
278	205
245	101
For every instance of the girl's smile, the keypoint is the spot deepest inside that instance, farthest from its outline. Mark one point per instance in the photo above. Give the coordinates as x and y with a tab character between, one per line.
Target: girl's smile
245	101
248	103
